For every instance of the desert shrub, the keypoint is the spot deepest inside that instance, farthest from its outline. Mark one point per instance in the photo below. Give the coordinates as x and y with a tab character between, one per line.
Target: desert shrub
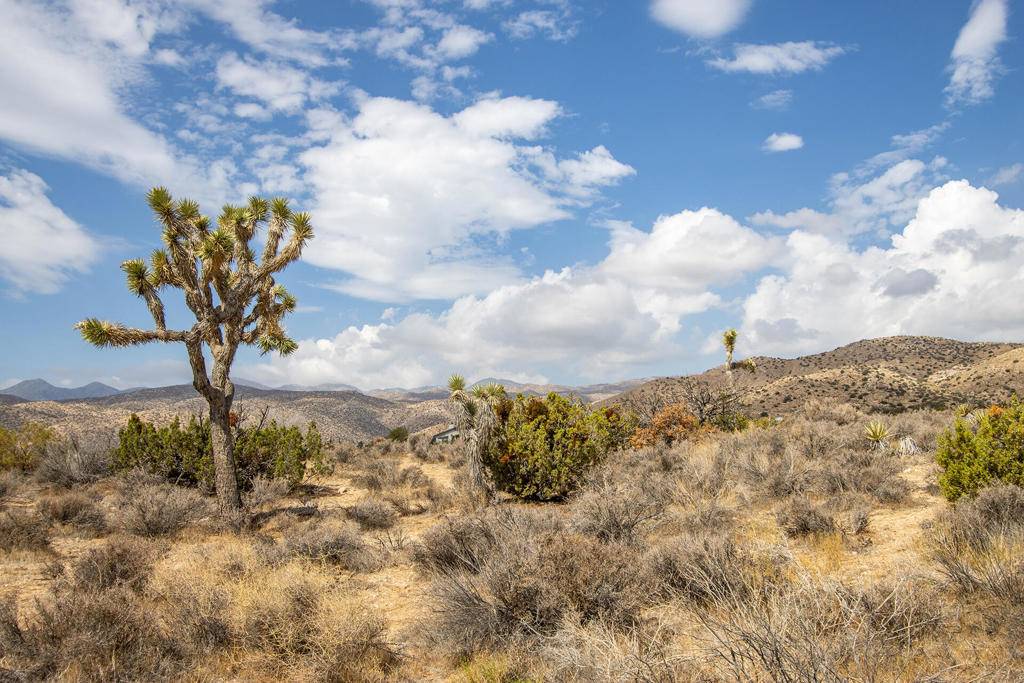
544	447
372	513
808	630
986	448
801	517
20	530
700	568
183	454
279	452
462	543
525	590
671	424
455	544
106	635
778	474
398	434
120	562
158	509
285	618
618	509
67	464
507	575
10	480
73	508
22	448
978	545
828	411
597	652
865	470
381	475
334	544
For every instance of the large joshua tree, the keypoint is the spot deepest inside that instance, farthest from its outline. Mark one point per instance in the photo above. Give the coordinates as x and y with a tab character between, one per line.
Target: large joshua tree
230	292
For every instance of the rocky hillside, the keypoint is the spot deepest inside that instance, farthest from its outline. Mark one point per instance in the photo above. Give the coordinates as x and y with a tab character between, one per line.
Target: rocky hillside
890	374
339	414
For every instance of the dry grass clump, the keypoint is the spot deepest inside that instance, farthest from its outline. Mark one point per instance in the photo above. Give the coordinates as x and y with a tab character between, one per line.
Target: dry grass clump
599	652
68	463
979	545
21	530
373	513
800	516
105	635
511	576
286	618
76	509
95	625
819	630
10	481
158	509
332	543
619	509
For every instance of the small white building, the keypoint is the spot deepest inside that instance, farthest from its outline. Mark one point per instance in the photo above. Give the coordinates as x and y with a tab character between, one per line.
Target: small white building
447	436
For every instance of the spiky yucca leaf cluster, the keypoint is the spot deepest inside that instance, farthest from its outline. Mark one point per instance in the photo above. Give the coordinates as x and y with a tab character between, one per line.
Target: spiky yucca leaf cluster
877	433
234	298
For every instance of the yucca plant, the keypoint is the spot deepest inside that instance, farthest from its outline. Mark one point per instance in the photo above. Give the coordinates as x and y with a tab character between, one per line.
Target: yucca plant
877	433
231	294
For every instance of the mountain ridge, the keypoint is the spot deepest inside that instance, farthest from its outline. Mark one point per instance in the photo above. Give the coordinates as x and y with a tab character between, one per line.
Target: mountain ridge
884	374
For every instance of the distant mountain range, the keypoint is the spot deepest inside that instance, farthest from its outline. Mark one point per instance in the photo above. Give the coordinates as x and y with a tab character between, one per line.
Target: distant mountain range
41	390
891	374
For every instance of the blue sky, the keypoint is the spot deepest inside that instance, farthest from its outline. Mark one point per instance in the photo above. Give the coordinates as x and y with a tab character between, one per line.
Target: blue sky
540	189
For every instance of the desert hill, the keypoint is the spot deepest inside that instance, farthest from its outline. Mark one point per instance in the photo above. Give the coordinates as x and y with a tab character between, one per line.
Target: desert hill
889	374
340	415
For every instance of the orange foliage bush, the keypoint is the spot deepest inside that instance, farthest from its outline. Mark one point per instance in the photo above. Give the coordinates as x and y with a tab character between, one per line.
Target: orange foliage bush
669	425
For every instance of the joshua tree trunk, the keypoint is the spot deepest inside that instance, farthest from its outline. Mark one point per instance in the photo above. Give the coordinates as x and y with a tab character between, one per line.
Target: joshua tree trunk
224	459
219	392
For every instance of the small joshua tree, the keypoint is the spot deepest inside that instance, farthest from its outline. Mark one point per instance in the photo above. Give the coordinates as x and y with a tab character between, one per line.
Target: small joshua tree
232	295
477	425
729	342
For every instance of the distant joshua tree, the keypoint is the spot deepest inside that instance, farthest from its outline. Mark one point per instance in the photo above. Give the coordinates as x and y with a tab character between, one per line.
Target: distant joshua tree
232	295
729	342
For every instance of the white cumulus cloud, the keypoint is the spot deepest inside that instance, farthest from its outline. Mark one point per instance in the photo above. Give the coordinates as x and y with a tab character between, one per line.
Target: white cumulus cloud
779	58
407	199
782	142
974	62
605	320
40	246
951	272
699	18
281	87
